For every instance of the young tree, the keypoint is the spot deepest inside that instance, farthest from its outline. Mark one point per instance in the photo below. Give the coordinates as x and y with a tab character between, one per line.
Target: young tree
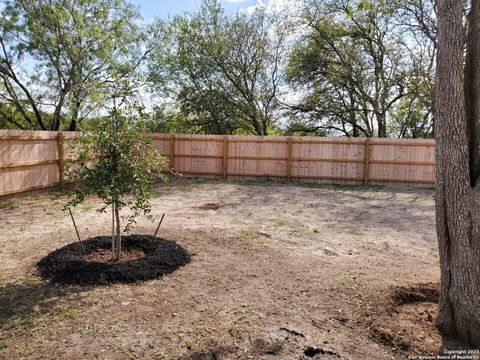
117	161
457	131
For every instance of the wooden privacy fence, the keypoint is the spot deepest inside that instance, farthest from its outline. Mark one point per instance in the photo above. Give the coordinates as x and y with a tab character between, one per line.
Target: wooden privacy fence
31	160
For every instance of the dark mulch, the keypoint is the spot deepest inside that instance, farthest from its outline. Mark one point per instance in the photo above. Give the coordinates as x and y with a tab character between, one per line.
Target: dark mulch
68	265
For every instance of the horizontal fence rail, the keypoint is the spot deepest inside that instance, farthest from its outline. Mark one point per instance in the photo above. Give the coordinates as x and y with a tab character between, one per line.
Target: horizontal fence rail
31	160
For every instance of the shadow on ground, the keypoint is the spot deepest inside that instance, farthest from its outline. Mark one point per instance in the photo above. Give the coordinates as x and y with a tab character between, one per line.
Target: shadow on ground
21	303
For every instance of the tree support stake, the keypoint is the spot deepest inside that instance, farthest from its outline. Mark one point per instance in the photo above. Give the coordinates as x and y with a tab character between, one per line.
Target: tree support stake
158	227
76	230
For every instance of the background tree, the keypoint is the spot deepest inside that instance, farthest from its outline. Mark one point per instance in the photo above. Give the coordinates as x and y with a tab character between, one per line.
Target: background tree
57	56
351	68
457	133
223	71
124	167
417	19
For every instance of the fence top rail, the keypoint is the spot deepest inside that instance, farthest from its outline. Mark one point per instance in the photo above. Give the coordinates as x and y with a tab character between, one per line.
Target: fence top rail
50	135
294	139
69	135
36	135
27	135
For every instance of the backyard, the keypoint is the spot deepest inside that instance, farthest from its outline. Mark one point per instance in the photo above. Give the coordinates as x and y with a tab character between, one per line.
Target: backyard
284	270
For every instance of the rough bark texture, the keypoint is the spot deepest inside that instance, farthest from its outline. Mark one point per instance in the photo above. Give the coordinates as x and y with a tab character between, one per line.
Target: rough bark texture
472	90
458	201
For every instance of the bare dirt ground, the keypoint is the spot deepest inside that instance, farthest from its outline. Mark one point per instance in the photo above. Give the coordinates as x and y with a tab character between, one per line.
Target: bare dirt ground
278	271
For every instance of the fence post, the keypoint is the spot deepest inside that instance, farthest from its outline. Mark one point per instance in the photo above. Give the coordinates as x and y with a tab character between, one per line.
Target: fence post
225	157
366	165
172	152
61	159
289	159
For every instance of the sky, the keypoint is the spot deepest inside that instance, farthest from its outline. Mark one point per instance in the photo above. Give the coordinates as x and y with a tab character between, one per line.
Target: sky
151	9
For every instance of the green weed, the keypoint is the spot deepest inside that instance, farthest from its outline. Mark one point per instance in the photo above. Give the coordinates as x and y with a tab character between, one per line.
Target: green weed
7	204
234	329
20	320
71	313
190	344
87	207
249	236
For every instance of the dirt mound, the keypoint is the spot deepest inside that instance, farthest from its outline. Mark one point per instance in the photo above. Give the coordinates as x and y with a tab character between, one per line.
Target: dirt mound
416	293
405	320
103	255
211	206
144	258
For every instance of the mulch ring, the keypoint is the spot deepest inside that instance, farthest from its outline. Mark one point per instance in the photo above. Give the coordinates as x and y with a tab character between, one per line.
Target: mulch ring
143	258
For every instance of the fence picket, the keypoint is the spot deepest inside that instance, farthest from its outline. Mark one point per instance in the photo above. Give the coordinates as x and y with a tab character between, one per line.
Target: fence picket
35	160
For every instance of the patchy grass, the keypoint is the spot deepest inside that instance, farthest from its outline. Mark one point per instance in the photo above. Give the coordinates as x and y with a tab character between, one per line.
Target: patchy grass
18	321
242	317
250	236
6	204
87	207
234	329
277	270
190	344
25	319
71	313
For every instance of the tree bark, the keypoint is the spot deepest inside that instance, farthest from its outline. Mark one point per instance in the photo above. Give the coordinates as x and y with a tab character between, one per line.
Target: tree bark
113	233
74	118
472	90
118	236
381	123
457	201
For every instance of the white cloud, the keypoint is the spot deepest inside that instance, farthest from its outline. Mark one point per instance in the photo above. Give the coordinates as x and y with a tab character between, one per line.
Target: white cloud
259	4
235	1
281	7
290	7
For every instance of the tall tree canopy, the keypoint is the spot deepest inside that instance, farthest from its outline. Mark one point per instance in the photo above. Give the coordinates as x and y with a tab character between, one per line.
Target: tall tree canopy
348	67
58	57
223	71
457	131
360	72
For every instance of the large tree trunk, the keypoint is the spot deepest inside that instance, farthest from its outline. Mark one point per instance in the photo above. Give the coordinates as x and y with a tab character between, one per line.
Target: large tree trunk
74	118
381	123
457	199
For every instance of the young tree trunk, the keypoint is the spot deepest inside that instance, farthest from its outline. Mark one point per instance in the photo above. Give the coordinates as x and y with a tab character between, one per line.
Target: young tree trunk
457	197
113	233
116	241
118	235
